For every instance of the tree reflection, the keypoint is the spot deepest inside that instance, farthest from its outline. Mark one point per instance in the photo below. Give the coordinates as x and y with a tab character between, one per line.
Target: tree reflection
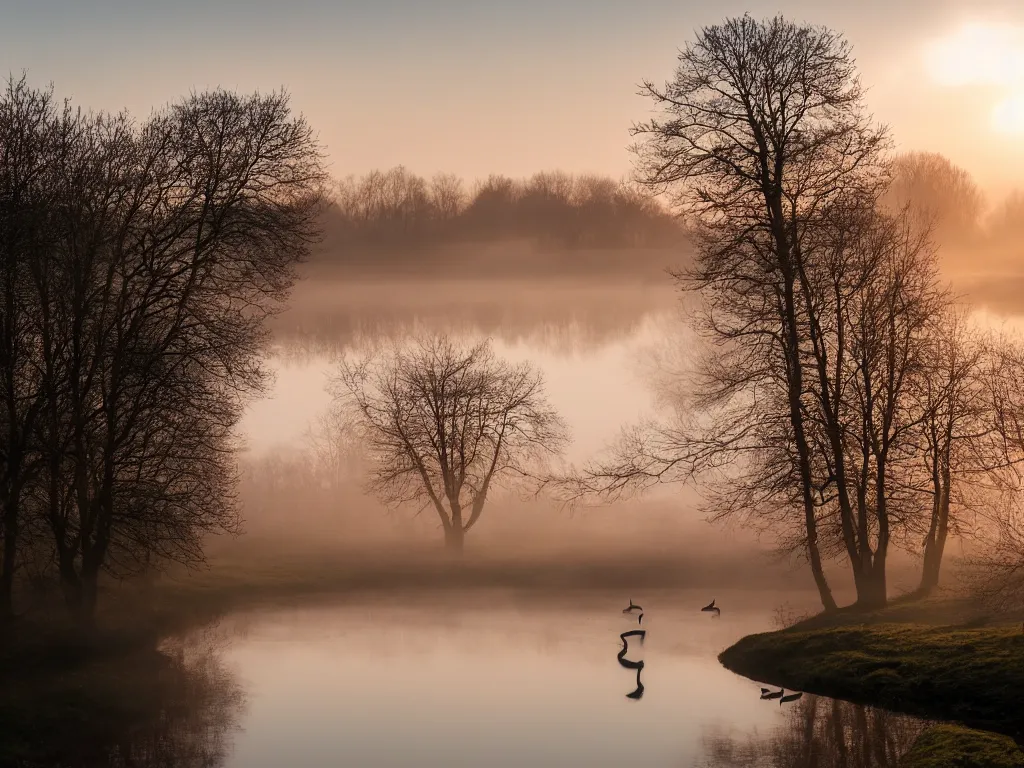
820	733
328	318
155	709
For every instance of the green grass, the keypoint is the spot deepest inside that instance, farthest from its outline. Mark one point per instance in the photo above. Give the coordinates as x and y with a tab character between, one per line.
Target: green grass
952	746
975	676
903	658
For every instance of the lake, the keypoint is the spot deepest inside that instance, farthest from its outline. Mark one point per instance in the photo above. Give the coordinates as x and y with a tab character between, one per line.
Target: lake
509	679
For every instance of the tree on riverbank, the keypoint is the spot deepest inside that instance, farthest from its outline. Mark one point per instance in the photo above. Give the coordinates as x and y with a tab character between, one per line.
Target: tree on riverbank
443	424
166	246
819	303
763	132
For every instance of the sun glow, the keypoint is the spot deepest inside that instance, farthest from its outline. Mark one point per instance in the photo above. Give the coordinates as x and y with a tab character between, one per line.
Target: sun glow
1008	116
984	55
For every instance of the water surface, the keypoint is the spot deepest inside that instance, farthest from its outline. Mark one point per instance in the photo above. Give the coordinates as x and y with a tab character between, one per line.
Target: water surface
500	680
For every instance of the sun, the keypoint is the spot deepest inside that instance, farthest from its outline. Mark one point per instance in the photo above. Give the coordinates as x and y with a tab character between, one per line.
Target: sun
1008	116
984	55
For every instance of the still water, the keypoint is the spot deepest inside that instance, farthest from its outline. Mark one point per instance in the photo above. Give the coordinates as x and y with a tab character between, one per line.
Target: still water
486	679
482	678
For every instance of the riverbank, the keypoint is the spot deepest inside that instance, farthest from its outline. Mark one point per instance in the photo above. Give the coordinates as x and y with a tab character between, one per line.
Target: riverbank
932	659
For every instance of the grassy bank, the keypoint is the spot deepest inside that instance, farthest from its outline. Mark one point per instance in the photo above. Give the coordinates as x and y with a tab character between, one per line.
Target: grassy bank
952	746
932	660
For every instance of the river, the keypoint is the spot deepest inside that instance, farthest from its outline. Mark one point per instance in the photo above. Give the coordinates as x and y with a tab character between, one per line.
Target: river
506	679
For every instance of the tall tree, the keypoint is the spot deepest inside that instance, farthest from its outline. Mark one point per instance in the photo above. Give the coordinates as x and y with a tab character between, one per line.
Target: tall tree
27	137
764	128
176	239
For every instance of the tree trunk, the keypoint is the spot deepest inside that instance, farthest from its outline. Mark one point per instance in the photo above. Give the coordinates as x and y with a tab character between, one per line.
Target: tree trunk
935	544
795	379
10	550
824	592
932	565
87	607
454	539
71	587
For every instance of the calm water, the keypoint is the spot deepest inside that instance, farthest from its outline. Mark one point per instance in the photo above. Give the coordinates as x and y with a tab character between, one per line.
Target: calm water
489	680
484	679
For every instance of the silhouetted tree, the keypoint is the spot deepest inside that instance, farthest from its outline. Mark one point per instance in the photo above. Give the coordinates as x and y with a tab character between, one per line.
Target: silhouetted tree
28	138
443	423
763	134
142	262
396	208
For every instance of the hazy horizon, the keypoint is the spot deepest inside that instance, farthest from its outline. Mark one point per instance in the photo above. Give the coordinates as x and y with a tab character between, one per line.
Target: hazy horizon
946	75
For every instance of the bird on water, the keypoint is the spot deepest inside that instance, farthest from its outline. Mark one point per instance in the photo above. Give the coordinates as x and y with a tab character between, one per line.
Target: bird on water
632	607
710	608
775	695
791	697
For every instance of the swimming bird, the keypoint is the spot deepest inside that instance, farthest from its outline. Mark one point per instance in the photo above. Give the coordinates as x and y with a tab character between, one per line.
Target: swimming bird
777	694
639	692
791	697
632	607
710	608
765	690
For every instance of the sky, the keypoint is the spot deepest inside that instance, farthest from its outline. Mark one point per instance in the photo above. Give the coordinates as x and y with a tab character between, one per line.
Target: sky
481	87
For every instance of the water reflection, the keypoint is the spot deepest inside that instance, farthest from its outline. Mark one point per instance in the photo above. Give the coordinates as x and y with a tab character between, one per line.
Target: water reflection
819	733
178	706
326	318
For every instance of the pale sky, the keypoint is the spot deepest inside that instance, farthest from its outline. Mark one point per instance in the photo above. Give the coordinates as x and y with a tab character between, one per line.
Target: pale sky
514	87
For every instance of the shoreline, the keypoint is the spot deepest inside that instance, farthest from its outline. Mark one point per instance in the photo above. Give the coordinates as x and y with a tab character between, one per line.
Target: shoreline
930	660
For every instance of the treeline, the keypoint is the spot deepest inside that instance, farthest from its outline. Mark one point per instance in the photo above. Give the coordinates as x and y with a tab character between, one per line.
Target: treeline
137	264
398	209
845	399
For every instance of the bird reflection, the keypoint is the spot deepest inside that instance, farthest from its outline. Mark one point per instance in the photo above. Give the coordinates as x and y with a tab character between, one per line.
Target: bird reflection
639	692
627	663
791	697
621	656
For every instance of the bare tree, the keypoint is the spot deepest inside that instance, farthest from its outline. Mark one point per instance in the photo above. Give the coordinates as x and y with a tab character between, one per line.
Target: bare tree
872	354
443	423
447	195
176	239
763	132
939	190
27	137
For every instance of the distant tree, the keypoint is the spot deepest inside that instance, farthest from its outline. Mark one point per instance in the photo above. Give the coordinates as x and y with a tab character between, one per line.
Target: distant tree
1007	220
443	423
947	194
396	209
447	195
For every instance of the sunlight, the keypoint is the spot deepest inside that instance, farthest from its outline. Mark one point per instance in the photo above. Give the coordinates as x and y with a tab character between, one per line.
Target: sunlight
978	54
1008	116
984	55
